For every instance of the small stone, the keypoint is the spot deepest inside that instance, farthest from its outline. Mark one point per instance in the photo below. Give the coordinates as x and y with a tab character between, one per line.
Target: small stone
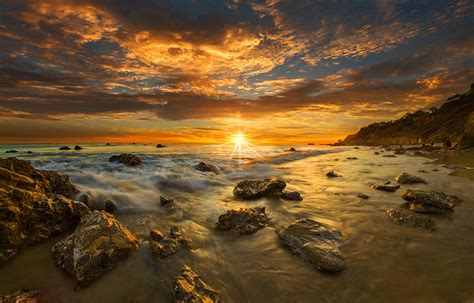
127	159
376	153
404	217
363	196
386	186
291	195
405	178
352	158
166	200
332	174
254	189
244	221
389	156
190	287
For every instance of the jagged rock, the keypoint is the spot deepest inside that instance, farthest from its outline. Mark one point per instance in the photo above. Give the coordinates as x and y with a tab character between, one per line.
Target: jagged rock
292	149
22	296
110	206
165	200
11	151
65	148
429	201
160	146
291	195
205	167
190	287
163	246
404	217
405	178
244	220
332	174
128	159
97	245
77	147
253	189
363	196
386	186
34	206
315	242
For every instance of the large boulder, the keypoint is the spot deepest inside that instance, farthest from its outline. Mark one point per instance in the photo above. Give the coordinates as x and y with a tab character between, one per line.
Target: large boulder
97	245
163	246
405	217
254	189
34	206
405	178
190	287
429	201
316	243
244	221
127	159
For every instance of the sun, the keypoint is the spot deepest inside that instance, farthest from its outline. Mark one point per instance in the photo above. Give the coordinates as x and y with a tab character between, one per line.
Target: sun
239	139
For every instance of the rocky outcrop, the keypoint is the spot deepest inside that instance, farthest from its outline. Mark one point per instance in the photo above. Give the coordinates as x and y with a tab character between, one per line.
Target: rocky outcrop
316	243
34	206
127	159
405	178
254	189
23	296
291	195
405	217
429	201
244	221
205	167
386	186
190	287
163	246
97	245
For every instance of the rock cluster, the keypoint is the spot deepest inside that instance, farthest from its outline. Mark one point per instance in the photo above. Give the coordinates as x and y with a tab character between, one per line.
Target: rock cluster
244	220
190	287
162	246
254	189
127	159
429	201
405	178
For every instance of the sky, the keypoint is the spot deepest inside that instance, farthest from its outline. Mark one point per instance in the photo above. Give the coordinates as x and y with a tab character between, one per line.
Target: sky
191	71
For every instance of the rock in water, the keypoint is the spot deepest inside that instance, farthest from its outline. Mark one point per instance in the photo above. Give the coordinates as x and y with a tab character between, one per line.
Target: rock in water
22	296
244	221
163	246
332	174
253	189
386	186
291	195
127	159
34	205
429	201
97	245
205	167
160	146
363	196
189	287
77	147
65	148
11	151
315	242
165	200
405	178
404	217
292	149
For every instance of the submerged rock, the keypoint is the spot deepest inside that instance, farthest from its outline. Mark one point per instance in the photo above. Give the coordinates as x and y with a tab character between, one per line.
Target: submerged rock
405	217
77	147
34	206
65	148
22	296
163	246
253	189
244	221
332	174
190	287
429	201
315	242
11	151
363	196
127	159
165	200
97	245
291	195
386	186
205	167
405	178
160	146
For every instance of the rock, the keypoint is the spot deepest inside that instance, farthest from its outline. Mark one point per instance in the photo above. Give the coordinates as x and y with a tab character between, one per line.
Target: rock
429	201
310	143
292	149
376	153
64	148
291	195
77	147
107	144
110	206
244	220
332	174
363	196
22	296
11	151
97	245
404	217
29	152
160	146
204	167
85	198
127	159
423	171
165	200
405	178
352	158
254	189
386	186
389	156
163	246
315	242
34	206
190	287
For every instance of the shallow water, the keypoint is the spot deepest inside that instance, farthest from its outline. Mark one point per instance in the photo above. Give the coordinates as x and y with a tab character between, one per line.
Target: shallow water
385	262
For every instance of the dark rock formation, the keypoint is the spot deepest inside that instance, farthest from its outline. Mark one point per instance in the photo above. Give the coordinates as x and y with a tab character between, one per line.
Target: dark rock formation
254	189
405	217
163	246
165	200
205	167
127	159
332	174
77	147
34	205
11	151
160	146
23	296
405	178
292	149
291	195
386	186
97	245
429	201
315	242
244	220
190	287
65	148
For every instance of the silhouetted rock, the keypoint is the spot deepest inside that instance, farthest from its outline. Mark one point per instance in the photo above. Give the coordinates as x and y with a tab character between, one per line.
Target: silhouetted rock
128	159
97	245
163	246
35	205
190	287
429	201
405	217
165	200
65	148
291	195
77	147
205	167
160	146
332	174
292	149
244	220
11	151
386	186
315	242
253	189
405	178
